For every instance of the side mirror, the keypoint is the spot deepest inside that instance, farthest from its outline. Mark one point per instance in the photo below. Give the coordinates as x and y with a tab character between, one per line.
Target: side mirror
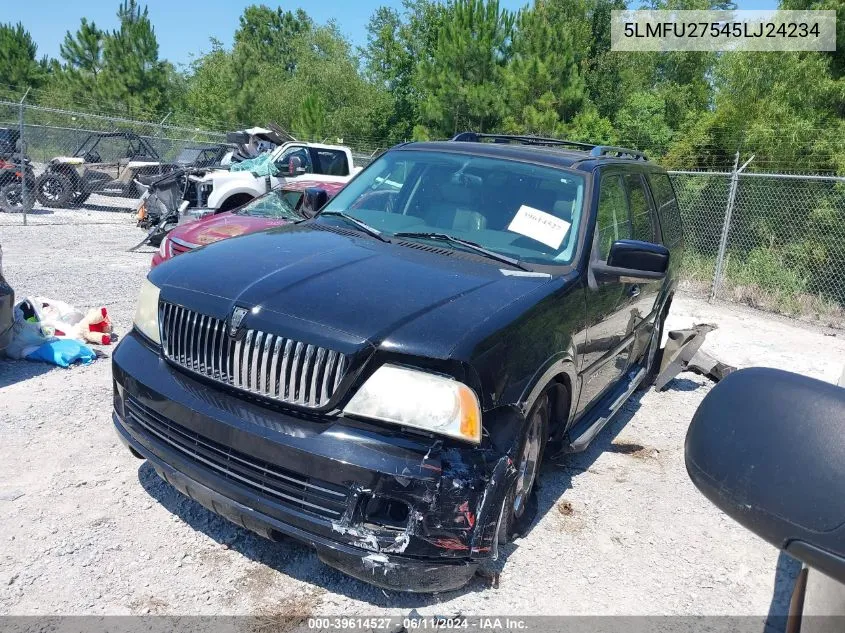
313	199
295	166
632	261
766	447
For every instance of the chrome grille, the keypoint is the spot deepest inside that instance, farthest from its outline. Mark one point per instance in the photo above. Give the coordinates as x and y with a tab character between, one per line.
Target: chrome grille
258	362
281	485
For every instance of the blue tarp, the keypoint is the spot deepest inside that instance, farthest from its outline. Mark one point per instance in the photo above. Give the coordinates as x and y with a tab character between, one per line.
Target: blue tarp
63	352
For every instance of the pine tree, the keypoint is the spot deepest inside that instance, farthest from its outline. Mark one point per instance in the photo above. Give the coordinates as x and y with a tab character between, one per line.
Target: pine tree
83	55
132	74
543	81
464	74
18	66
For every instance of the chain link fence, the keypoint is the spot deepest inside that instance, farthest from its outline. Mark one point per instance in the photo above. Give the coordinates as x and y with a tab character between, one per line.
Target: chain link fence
771	241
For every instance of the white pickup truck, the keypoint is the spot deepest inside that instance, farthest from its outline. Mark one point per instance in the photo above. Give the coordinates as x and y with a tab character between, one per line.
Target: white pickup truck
222	190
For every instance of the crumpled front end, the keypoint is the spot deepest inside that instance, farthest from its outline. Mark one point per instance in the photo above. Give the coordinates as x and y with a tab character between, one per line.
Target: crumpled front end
399	511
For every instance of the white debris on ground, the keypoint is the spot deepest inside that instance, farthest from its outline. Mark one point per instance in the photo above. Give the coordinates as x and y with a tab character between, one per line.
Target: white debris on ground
85	528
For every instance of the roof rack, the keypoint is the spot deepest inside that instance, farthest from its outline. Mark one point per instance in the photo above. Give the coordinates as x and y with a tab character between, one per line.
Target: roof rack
475	137
596	151
617	152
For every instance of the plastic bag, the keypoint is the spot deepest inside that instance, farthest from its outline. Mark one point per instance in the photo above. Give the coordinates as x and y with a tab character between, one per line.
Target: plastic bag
63	352
61	316
27	336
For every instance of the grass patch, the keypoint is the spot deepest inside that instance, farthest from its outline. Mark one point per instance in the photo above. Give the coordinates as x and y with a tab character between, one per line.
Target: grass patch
764	279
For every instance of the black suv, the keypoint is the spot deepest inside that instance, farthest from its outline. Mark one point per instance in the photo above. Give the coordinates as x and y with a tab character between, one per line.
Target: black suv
382	381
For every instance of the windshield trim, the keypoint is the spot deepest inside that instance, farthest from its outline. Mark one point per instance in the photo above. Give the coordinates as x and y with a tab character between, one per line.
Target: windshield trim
587	211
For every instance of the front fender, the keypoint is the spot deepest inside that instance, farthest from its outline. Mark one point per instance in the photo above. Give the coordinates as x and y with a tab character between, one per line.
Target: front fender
560	365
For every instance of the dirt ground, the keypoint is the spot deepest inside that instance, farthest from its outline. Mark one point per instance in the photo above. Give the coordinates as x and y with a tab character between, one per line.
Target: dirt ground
85	528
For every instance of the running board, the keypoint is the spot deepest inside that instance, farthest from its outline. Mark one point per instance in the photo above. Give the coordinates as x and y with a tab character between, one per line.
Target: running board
596	421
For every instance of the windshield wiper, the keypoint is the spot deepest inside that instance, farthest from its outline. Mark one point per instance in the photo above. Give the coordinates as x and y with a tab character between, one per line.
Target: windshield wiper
445	237
366	228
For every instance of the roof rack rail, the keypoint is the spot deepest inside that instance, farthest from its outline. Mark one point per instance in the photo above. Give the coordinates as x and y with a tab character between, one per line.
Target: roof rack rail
475	137
617	152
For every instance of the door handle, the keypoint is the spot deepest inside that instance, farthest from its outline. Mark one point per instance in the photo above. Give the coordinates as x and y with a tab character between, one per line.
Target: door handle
634	291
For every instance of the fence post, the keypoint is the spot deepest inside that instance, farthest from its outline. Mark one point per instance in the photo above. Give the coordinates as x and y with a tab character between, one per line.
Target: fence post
161	135
726	225
22	154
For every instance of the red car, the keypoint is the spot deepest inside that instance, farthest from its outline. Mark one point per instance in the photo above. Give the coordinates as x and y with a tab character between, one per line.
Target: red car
275	208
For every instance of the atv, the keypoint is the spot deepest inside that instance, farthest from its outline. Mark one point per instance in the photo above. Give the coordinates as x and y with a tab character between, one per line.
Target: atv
12	179
106	163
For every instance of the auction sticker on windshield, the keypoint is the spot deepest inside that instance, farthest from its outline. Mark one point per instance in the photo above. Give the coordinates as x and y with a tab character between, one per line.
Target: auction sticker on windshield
539	225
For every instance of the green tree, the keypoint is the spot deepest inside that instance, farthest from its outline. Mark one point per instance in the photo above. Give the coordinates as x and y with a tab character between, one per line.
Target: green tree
209	88
267	36
311	120
132	73
18	65
463	78
641	122
543	80
397	45
82	53
113	70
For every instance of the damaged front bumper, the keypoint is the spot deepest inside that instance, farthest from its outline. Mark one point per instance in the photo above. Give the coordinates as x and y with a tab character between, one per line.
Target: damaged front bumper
397	511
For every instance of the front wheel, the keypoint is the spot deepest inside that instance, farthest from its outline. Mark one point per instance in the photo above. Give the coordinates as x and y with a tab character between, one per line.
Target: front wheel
520	505
11	198
53	189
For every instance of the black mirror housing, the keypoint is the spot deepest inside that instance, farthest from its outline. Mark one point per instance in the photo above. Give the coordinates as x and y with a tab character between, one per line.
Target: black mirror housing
767	448
632	261
636	255
313	199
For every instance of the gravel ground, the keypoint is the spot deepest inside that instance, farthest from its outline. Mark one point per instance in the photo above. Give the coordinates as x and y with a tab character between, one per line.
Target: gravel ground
87	529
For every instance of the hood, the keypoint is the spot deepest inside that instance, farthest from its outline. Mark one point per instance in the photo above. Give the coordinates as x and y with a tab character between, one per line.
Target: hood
336	280
222	226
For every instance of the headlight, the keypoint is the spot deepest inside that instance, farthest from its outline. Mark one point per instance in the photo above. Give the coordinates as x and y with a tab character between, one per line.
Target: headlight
203	193
418	399
164	247
146	316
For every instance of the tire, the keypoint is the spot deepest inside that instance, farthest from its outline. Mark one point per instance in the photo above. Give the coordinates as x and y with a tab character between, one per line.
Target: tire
79	198
11	201
520	504
53	190
238	200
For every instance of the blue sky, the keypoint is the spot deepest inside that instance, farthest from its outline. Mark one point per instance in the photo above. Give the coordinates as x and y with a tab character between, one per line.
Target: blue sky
184	27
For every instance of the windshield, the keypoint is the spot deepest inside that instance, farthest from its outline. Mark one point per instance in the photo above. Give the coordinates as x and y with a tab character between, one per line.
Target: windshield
278	204
526	212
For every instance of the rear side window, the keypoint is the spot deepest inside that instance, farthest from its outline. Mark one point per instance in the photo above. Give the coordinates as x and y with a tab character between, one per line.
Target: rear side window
613	221
331	162
667	208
